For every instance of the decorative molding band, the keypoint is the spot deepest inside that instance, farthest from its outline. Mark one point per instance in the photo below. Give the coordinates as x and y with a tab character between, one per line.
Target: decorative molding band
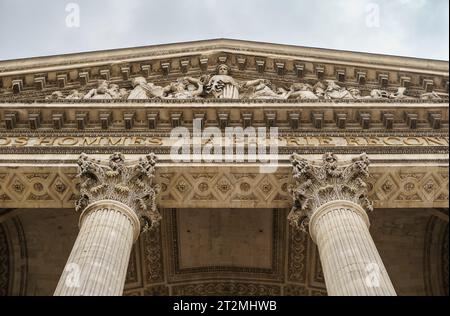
5	268
177	273
415	185
226	289
289	117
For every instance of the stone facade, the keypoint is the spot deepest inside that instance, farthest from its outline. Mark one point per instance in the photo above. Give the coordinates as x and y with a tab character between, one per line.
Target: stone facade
358	204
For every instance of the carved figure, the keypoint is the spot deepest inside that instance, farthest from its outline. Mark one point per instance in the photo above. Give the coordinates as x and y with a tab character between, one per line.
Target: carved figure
75	95
379	94
433	96
335	92
400	94
261	89
185	88
302	91
57	95
99	93
222	85
143	90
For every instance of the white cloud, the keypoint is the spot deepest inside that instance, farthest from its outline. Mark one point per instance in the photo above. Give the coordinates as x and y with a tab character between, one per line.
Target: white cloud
407	27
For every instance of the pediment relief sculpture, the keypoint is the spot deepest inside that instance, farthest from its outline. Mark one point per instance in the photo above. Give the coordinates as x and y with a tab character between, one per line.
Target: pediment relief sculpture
105	91
434	96
222	85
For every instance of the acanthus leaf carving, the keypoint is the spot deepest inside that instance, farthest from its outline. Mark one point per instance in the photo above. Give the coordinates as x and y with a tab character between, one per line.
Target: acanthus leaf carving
132	185
316	185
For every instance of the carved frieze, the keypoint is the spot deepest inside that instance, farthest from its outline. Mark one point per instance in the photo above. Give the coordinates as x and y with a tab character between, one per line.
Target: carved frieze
224	69
226	289
153	256
298	256
221	85
224	187
295	290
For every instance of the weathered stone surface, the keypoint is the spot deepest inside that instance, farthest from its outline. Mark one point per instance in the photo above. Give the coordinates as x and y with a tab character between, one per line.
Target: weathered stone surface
131	185
330	201
52	109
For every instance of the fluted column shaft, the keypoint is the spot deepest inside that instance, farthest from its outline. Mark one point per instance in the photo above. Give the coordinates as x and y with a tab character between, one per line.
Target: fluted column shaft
330	199
350	260
98	263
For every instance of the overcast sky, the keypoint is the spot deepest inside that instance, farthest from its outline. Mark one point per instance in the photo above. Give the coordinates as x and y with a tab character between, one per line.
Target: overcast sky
418	28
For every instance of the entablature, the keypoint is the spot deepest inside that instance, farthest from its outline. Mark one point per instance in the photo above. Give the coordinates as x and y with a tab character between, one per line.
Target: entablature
153	116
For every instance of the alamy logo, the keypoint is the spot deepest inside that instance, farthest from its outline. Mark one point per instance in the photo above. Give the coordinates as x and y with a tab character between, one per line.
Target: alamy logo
235	145
73	16
373	275
373	15
73	275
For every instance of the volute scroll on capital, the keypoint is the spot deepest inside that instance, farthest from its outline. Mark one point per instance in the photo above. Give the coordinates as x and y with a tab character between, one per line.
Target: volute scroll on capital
318	184
130	184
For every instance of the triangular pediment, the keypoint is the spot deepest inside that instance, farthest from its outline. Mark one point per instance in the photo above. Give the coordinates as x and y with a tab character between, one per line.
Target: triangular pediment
261	71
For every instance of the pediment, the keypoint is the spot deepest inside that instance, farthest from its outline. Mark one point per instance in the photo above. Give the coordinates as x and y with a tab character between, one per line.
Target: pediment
273	70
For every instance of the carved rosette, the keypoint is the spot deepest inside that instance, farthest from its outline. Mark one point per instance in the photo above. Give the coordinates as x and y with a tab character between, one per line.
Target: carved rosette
132	185
317	184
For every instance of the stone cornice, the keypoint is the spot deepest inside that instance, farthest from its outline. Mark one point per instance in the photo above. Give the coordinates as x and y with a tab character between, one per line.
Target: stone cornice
288	116
225	102
224	45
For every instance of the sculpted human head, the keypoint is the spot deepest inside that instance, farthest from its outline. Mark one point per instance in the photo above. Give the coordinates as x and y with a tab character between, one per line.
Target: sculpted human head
223	70
114	87
355	92
329	158
331	85
102	86
116	160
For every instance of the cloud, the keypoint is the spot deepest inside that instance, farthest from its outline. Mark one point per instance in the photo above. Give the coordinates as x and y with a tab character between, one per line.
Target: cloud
406	27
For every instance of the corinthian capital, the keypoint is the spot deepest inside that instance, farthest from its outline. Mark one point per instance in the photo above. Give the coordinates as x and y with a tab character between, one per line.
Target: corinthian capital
131	184
318	183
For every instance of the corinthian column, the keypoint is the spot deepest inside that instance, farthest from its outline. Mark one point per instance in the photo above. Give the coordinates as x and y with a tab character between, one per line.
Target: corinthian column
117	202
330	200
